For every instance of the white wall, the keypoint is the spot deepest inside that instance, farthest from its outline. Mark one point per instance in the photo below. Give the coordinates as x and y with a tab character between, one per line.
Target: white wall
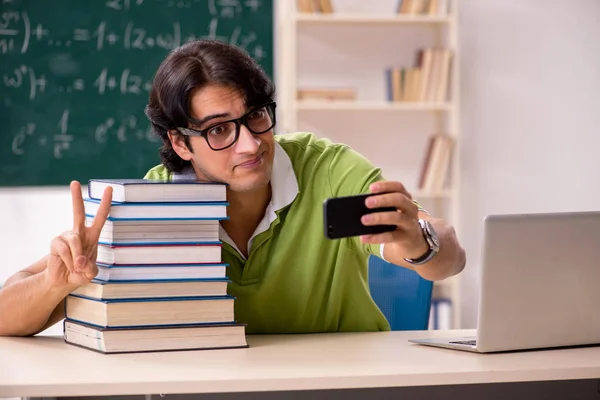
30	218
531	106
530	114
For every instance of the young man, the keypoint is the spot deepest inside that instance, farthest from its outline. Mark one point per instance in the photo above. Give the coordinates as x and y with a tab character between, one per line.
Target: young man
213	107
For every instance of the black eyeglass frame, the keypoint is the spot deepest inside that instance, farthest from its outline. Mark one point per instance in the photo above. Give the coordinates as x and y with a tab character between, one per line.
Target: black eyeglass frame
238	124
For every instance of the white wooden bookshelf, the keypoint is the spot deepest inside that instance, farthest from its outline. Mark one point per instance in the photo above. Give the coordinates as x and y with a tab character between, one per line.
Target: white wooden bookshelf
439	31
314	105
305	18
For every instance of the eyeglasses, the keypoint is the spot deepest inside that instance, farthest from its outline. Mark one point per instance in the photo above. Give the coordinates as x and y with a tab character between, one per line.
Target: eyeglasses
224	134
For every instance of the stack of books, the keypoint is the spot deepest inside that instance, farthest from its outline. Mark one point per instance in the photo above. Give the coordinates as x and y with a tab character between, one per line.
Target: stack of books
161	284
428	81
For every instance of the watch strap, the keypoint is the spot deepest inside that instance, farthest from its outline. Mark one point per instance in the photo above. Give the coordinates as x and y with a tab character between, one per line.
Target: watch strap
429	254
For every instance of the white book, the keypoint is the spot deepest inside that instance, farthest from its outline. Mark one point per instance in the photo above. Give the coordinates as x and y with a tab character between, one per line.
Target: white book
161	225
140	231
155	338
144	190
155	288
180	253
150	311
155	239
159	211
151	272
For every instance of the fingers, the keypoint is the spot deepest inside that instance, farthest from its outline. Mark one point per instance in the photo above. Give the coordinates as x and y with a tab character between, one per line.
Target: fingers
102	212
392	194
383	218
74	241
403	222
85	274
89	270
396	200
60	248
78	208
389	187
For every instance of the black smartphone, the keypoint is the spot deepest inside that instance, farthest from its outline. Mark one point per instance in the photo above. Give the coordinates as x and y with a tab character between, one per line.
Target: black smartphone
342	217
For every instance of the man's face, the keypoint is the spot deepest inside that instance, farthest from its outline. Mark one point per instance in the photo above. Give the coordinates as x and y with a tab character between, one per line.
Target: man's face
247	164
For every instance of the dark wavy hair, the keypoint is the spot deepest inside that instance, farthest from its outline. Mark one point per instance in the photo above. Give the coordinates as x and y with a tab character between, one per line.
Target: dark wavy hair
189	68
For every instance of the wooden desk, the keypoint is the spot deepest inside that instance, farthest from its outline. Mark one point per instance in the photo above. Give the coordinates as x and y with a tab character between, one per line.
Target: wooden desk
46	366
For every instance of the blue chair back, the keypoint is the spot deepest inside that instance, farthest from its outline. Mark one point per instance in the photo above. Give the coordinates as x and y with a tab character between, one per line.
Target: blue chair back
401	295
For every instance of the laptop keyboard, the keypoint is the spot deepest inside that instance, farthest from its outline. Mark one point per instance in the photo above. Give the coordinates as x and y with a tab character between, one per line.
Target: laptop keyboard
465	342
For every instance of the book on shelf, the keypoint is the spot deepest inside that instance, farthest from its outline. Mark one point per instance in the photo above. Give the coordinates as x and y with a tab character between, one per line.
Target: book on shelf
436	163
327	94
145	272
315	6
427	81
133	289
441	312
423	7
156	338
145	190
165	211
440	316
149	311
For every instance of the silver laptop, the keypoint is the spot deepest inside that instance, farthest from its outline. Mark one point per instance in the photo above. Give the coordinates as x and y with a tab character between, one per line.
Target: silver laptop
540	284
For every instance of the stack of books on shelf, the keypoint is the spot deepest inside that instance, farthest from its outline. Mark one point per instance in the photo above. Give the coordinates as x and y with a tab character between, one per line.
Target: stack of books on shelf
426	82
441	313
436	163
161	284
423	7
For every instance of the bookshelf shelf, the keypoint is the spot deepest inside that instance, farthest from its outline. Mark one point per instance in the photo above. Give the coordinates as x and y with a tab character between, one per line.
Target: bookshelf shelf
316	105
306	18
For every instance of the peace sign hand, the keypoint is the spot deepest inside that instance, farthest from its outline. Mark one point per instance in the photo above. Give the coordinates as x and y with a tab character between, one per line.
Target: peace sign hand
72	259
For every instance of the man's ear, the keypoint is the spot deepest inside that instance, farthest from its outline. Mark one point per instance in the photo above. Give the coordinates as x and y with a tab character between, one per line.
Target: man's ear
179	145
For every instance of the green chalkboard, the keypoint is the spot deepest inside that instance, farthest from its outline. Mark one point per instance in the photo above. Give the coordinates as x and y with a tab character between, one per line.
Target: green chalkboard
75	77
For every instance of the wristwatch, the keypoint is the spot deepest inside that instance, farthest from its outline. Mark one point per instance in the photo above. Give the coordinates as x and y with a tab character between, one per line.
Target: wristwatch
432	240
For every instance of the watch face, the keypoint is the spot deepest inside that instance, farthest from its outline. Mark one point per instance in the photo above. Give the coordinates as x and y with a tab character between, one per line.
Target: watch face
432	234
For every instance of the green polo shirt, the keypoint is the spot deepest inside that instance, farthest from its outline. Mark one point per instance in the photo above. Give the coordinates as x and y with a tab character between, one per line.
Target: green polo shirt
295	280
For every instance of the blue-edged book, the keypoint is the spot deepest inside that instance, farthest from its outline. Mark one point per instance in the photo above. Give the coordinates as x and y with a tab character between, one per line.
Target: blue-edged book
139	232
159	211
155	339
163	272
171	253
149	312
156	288
145	190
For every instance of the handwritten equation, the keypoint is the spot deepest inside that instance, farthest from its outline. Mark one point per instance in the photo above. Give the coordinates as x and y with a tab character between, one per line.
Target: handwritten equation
123	82
18	33
58	142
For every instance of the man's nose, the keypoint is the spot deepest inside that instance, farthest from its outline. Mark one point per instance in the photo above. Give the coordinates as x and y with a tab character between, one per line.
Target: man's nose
247	142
